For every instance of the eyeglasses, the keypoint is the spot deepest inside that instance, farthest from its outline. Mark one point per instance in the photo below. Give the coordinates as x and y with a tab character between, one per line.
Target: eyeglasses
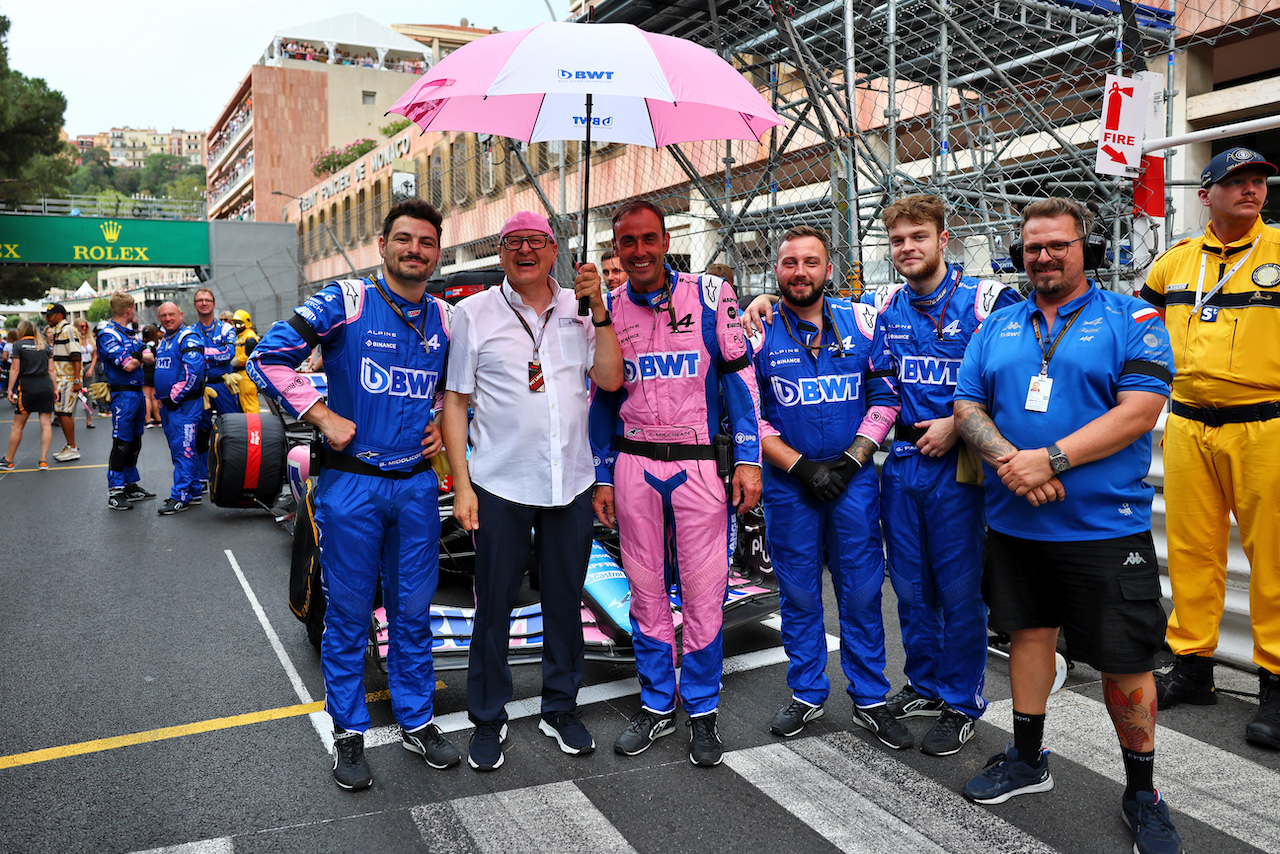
535	241
1057	251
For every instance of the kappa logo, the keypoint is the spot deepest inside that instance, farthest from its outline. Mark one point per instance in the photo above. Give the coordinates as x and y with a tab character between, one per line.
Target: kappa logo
1134	559
397	381
1125	509
565	74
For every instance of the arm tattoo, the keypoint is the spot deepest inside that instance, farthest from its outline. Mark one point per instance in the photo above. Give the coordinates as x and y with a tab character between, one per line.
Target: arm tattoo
862	449
1134	721
977	428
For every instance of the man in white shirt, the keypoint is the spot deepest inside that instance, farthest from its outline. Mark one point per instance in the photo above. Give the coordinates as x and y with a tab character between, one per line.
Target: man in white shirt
519	356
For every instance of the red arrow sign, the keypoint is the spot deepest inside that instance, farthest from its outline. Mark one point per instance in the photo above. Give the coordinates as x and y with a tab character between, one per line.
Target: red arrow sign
1116	156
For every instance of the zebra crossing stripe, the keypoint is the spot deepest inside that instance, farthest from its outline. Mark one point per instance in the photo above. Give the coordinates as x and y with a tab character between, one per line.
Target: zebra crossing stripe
1211	785
862	800
221	845
554	817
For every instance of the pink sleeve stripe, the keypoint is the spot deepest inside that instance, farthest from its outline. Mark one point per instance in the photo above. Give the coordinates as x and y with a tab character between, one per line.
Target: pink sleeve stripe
876	423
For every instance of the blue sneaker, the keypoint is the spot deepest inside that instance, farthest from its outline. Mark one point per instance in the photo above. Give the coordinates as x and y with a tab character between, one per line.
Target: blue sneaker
1006	776
1148	817
567	729
485	752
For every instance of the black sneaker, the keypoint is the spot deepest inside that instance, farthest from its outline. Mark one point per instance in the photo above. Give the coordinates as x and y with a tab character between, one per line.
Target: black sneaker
171	506
949	734
485	752
1006	775
431	745
646	727
118	501
1148	817
790	719
195	499
884	726
350	770
6	464
1190	680
135	492
910	703
705	749
567	729
1264	729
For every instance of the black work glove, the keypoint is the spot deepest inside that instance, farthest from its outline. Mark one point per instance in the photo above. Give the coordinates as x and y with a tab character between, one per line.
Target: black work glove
821	483
846	467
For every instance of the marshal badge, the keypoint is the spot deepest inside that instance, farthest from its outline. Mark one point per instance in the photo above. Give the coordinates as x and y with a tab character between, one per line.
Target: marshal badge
1267	275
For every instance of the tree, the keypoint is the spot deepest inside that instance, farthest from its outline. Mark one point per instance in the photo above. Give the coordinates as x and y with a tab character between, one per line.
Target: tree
30	121
99	309
94	174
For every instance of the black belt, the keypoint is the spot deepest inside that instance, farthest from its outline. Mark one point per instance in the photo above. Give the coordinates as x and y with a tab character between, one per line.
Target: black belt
345	462
1229	414
116	389
665	450
907	432
215	380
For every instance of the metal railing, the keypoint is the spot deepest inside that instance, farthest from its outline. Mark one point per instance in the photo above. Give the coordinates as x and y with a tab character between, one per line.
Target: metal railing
117	207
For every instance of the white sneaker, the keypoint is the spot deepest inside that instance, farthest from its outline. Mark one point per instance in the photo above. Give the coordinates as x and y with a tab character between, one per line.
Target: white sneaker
67	454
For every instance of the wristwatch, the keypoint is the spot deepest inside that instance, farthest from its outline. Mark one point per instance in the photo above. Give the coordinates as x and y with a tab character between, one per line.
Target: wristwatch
1057	459
608	321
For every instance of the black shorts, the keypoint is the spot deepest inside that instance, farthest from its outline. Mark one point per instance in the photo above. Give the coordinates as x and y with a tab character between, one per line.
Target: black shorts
1104	594
34	398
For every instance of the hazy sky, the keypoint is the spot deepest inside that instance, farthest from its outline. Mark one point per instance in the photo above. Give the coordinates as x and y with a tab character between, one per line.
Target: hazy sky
175	64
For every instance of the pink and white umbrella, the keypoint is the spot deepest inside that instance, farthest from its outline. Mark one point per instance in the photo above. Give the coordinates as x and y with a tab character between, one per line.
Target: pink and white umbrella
646	89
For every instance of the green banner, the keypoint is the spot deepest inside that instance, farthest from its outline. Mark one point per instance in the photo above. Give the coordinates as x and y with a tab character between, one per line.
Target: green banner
83	241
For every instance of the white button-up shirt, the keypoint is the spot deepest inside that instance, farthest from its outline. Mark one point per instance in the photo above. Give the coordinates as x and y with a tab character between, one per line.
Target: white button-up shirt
530	447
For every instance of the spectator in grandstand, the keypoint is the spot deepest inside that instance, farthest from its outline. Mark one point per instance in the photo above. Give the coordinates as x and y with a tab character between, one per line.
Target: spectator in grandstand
520	357
1069	522
30	389
1222	440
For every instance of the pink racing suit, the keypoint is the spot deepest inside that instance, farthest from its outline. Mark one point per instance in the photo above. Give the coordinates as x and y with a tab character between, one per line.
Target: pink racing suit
686	359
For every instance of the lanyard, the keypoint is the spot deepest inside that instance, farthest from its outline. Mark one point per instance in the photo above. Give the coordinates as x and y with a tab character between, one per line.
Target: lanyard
954	279
1047	355
813	349
537	342
1200	301
421	330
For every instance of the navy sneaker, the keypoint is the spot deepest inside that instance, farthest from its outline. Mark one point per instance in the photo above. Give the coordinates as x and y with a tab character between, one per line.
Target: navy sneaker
350	770
429	743
791	719
567	729
883	725
485	752
646	728
1006	776
909	703
1148	817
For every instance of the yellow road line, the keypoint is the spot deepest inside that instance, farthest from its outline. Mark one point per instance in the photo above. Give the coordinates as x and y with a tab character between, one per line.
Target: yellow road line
100	744
61	467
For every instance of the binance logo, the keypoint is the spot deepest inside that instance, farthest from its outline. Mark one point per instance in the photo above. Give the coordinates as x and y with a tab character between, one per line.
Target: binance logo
111	231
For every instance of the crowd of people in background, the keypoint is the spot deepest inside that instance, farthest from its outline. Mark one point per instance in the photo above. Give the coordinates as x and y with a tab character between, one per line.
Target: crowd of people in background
308	52
224	135
229	178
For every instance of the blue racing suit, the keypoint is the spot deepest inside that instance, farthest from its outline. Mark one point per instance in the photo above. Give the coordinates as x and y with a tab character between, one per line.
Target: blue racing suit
219	349
378	499
180	390
933	524
816	403
117	345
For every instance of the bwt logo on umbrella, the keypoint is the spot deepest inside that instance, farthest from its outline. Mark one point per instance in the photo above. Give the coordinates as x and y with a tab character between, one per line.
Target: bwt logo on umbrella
596	121
585	75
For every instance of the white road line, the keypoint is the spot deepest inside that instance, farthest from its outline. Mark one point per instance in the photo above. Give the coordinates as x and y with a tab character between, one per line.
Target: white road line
556	818
319	720
222	845
864	801
1209	784
532	706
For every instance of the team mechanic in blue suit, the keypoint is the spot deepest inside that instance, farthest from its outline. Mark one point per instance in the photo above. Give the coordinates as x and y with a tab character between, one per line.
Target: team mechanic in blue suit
384	344
823	414
219	349
932	505
180	389
122	355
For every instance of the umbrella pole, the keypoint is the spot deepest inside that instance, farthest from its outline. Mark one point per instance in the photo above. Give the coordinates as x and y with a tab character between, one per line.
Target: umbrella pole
584	304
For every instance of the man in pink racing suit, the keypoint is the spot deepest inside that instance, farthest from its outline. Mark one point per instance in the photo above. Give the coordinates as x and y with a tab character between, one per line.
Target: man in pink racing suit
685	356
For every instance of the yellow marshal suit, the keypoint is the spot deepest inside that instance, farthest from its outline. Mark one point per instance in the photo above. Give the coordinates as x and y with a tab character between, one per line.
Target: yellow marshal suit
1222	442
246	340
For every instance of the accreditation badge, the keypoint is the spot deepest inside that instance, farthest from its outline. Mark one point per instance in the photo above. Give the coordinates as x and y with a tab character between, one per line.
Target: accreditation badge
536	380
1038	393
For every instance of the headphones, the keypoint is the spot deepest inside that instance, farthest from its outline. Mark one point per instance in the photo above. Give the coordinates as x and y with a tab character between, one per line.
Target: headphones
1095	242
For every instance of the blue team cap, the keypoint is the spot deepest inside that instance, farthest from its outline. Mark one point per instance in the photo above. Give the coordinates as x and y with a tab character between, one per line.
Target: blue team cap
1229	161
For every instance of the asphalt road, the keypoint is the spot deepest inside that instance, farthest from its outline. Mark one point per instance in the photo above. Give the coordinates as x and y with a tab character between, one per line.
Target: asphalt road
147	705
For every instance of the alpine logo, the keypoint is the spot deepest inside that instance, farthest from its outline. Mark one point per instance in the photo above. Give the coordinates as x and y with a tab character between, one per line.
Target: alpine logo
596	121
397	381
952	328
930	370
814	390
564	74
1133	559
662	366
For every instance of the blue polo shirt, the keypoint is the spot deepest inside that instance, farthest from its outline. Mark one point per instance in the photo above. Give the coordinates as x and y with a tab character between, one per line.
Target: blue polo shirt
1116	343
